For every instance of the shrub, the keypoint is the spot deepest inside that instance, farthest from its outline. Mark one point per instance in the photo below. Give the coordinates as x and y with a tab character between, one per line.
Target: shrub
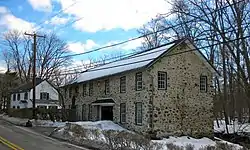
171	146
189	147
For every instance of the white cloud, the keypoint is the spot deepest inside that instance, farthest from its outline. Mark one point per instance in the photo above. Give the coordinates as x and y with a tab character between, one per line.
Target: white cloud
41	5
2	66
57	21
80	47
109	14
3	10
12	22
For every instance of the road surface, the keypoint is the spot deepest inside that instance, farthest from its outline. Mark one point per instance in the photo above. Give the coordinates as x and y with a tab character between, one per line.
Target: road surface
21	138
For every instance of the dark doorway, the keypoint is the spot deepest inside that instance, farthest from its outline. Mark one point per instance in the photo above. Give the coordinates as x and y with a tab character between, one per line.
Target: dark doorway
107	113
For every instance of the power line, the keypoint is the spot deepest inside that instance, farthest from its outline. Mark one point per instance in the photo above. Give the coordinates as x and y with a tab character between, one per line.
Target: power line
56	14
132	39
131	54
154	58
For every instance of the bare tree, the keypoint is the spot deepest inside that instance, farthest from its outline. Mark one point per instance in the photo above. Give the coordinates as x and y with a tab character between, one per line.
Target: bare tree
50	54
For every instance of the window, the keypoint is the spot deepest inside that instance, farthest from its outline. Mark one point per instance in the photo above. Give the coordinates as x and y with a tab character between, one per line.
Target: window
18	107
70	91
91	88
84	89
83	112
162	80
90	112
44	95
138	113
203	83
107	89
26	95
123	112
14	107
69	106
14	97
123	84
138	81
76	89
18	96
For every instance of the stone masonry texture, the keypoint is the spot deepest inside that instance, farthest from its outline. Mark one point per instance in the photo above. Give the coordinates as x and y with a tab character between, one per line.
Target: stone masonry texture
181	109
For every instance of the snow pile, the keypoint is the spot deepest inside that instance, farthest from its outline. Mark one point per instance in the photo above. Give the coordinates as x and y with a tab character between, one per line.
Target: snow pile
185	140
48	123
234	127
100	125
99	132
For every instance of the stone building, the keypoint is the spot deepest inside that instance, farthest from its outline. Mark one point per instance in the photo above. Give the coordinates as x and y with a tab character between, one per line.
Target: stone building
163	91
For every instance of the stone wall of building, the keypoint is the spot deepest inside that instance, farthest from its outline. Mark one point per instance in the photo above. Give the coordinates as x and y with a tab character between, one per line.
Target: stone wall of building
130	97
182	109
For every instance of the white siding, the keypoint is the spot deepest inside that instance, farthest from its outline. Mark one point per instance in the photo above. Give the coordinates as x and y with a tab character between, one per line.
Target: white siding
42	87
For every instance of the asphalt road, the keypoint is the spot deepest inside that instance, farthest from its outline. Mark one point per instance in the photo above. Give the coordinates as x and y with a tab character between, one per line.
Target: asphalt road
26	139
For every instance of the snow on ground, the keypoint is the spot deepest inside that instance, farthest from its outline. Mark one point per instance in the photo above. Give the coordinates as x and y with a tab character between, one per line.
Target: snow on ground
101	125
22	121
185	140
234	127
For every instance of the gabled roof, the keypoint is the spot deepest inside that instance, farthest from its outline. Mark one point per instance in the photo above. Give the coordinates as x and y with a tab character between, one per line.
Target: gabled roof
140	60
26	86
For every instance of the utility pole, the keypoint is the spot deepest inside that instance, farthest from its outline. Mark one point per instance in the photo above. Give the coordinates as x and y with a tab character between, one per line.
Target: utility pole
34	72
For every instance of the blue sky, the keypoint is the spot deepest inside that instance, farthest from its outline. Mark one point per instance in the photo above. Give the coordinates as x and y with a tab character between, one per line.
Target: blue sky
103	21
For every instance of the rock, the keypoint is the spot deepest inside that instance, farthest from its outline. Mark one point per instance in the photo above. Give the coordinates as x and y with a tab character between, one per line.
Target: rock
28	124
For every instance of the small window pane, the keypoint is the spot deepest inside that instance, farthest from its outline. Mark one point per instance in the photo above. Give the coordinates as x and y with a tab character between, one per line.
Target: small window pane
14	97
26	95
18	96
107	88
138	113
123	112
203	83
84	88
138	81
123	84
91	88
70	92
162	80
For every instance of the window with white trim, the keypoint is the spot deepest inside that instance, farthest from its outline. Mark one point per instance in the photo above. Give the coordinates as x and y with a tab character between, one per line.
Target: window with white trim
162	80
91	88
203	83
18	96
107	88
44	95
70	92
138	81
138	113
123	84
14	97
26	95
84	89
123	112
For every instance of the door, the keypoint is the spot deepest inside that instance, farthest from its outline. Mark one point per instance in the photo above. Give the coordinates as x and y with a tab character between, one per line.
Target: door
107	113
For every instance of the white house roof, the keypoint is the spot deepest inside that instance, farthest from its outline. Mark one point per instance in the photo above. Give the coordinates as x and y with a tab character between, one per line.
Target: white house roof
130	63
133	62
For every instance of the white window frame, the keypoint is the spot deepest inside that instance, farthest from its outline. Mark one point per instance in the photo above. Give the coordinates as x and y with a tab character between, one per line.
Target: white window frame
107	86
123	84
123	112
25	94
84	90
14	97
138	113
162	80
18	97
43	95
203	83
138	81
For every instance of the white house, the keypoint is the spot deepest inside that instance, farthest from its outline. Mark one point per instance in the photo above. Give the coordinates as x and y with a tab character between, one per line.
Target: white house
46	95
